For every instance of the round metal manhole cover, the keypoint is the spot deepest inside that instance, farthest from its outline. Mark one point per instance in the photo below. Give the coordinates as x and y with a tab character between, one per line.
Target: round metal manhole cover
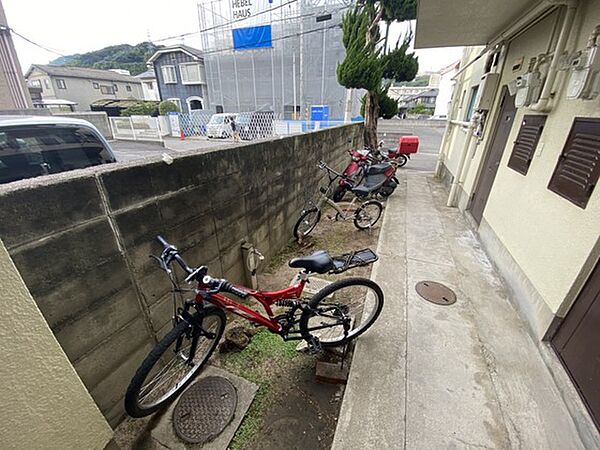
204	410
435	292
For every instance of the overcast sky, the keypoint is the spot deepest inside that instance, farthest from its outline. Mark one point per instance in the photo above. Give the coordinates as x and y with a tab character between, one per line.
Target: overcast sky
79	26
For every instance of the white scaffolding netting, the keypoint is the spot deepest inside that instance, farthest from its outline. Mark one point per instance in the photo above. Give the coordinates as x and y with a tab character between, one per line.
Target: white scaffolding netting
296	72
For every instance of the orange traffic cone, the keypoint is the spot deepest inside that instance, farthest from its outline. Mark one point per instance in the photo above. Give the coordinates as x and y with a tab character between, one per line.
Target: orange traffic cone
181	134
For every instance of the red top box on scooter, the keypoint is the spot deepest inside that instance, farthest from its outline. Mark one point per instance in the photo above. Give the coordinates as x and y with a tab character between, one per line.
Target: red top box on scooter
408	144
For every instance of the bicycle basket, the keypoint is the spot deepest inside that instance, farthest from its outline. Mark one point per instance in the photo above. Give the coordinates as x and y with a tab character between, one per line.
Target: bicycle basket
353	259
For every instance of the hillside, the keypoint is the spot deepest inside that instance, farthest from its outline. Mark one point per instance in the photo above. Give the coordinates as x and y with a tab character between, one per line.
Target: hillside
124	56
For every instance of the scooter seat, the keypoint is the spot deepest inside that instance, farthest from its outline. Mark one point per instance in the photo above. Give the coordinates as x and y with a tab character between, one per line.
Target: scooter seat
318	262
376	169
368	186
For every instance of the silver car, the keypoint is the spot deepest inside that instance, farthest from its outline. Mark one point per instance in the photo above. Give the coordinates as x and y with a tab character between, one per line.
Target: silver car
32	146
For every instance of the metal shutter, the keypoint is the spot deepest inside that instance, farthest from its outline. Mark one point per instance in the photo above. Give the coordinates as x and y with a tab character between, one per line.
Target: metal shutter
578	166
527	140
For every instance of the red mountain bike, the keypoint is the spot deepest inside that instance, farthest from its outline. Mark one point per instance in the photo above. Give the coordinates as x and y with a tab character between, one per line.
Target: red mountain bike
338	313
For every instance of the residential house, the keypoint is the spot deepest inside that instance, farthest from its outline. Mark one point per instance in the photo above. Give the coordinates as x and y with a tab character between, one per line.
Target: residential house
426	98
149	85
13	92
521	154
181	77
82	85
446	85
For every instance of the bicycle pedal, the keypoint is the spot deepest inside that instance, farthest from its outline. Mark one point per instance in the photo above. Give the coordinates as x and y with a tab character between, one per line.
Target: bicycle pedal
314	345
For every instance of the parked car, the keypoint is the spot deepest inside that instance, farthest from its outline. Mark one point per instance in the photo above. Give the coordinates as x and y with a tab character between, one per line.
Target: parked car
219	125
255	125
31	146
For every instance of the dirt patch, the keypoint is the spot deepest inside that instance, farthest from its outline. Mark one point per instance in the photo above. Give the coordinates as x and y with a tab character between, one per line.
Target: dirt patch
291	409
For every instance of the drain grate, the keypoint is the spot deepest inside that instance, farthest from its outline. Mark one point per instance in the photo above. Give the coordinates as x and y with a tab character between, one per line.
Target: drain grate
204	410
435	292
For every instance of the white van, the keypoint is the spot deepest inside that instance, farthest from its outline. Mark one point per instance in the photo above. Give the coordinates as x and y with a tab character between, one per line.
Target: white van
219	125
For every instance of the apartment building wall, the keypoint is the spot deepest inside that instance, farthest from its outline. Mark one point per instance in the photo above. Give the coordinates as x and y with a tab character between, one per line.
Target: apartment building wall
543	244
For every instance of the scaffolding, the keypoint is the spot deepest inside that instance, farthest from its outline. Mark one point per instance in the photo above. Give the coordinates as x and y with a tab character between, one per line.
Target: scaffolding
296	72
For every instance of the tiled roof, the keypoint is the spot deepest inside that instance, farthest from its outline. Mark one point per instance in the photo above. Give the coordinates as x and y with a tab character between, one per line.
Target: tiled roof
82	72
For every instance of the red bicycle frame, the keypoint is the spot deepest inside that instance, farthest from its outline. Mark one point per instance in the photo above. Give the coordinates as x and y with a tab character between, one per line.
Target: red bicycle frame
265	298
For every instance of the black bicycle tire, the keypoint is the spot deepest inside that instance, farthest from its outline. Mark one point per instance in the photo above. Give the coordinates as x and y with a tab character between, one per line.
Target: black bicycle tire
328	290
304	213
132	406
369	202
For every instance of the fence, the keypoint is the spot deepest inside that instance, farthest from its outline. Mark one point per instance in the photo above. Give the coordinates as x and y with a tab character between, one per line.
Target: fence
139	128
247	126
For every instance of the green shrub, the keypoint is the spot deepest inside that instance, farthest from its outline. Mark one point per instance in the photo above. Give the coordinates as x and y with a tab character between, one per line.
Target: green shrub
141	109
166	107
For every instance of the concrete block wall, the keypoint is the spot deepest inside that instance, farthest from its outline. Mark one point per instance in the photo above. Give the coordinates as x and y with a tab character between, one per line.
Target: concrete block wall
81	240
97	118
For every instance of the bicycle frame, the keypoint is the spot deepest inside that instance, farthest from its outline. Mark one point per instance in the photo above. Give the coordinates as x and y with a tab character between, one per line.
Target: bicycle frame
265	298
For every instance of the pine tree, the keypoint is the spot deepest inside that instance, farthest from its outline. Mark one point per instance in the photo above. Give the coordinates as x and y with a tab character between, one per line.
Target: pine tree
370	64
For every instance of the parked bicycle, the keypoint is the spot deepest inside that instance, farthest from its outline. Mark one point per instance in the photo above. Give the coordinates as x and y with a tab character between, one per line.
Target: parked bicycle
363	212
334	316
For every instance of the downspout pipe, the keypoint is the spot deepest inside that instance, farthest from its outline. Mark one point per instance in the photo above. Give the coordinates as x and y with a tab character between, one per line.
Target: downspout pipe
461	165
543	103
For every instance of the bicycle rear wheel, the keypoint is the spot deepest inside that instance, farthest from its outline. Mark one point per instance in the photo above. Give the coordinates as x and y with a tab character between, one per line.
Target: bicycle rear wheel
167	370
358	299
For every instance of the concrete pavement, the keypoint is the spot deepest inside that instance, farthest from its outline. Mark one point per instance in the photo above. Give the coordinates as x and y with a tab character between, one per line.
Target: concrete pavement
430	135
461	376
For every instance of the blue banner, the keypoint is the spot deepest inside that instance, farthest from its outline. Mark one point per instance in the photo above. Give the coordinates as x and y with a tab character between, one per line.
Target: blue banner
252	37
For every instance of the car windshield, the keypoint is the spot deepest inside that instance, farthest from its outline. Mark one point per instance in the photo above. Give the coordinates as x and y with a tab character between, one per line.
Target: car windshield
33	150
242	120
216	120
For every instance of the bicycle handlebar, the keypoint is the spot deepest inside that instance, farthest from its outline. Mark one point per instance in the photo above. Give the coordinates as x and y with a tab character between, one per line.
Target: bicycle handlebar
171	253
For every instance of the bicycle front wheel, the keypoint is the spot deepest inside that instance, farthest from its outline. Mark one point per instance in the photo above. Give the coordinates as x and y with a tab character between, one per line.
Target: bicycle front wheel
367	214
167	370
306	223
358	301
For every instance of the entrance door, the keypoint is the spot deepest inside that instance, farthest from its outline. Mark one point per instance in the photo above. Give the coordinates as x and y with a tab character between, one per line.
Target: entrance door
577	343
494	155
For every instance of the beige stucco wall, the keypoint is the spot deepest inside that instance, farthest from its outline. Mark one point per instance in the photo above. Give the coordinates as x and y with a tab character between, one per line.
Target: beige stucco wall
549	237
44	404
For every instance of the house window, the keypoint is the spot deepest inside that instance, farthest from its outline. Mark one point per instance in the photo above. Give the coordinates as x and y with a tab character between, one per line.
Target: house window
109	90
60	83
578	168
35	83
169	76
128	88
472	99
527	140
115	87
150	86
95	85
47	83
176	101
190	73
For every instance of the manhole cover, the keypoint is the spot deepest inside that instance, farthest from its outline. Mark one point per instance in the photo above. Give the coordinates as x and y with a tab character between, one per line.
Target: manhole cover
204	410
435	292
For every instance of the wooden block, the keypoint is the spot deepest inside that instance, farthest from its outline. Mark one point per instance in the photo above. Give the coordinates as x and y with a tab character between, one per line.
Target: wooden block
332	373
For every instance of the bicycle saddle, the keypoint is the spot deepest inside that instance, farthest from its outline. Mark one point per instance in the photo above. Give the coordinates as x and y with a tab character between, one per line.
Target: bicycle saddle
318	262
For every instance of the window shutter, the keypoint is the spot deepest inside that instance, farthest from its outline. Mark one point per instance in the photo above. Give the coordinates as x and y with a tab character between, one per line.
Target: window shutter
527	141
578	166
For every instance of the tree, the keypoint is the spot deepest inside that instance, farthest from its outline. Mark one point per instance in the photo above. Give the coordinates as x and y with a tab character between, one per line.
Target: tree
370	64
166	107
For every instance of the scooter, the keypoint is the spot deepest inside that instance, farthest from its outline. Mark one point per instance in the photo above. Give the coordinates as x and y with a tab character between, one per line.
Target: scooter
367	168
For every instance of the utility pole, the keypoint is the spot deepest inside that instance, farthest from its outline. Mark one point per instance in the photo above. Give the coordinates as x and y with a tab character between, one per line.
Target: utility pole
301	59
348	108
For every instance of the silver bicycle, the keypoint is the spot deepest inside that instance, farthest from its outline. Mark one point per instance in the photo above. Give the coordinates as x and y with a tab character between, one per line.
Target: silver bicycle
364	212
